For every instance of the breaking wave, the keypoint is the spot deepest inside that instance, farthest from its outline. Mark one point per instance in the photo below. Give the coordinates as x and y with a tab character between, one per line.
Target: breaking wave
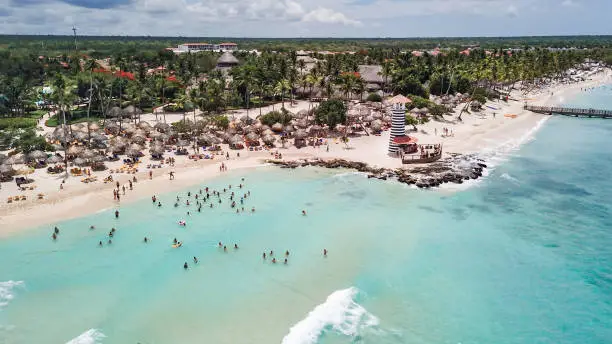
91	336
7	291
339	313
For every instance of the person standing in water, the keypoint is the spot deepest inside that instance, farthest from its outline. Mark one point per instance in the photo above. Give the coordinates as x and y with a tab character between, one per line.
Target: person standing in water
116	214
195	260
185	266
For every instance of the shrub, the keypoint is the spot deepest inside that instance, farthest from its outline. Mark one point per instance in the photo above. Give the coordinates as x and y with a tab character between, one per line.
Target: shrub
17	123
331	112
374	97
272	117
419	102
220	121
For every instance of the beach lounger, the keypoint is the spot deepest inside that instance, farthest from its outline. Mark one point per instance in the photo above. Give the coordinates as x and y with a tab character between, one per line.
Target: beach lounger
23	198
9	200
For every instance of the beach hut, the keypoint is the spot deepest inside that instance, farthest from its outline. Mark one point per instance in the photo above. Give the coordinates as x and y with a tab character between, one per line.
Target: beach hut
317	130
156	152
301	114
300	138
114	112
162	127
111	128
131	111
236	142
144	125
289	129
94	126
302	123
247	120
268	132
80	136
376	126
87	154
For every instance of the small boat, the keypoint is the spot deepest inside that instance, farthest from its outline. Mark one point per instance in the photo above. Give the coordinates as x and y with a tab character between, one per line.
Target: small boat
177	245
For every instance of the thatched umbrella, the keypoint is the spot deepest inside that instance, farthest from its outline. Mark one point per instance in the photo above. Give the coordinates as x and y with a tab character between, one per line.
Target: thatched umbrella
15	160
140	139
112	128
37	155
78	127
98	158
277	127
80	161
236	139
7	170
131	111
415	111
2	157
80	136
301	114
252	137
268	132
87	154
249	129
94	126
265	127
205	140
144	125
369	118
99	137
132	153
289	128
55	159
301	134
74	150
156	150
376	125
114	112
302	124
246	120
269	140
162	127
61	134
340	128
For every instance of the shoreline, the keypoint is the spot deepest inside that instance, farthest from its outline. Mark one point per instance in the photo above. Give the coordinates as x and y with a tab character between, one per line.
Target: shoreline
476	135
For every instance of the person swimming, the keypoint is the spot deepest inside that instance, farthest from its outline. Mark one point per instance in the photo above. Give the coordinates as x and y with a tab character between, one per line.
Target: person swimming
195	260
116	214
187	203
92	227
159	204
110	241
189	194
174	241
182	223
175	205
253	210
235	246
113	230
287	253
325	252
211	205
271	253
110	234
146	240
185	266
274	260
285	261
100	243
224	248
56	230
54	236
304	212
264	255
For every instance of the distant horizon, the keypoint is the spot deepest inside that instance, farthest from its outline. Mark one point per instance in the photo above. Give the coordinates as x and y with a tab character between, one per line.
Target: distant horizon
309	19
307	37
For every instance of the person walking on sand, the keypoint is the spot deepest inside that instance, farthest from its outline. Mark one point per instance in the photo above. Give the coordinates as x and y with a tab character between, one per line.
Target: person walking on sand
171	175
150	175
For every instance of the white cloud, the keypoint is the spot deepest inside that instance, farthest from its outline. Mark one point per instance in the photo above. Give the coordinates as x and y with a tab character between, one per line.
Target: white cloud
325	15
512	11
569	3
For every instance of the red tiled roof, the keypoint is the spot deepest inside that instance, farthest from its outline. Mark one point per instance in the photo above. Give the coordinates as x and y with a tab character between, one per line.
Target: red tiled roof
228	43
403	140
196	44
125	75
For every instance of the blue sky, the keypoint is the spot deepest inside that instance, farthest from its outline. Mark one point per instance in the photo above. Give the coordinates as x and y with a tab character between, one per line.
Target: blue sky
307	18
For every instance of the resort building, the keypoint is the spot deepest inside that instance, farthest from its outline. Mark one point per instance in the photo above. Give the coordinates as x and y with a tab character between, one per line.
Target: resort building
197	47
372	75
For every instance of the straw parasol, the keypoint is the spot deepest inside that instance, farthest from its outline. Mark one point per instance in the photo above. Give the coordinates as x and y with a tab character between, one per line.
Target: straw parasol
236	139
288	129
131	111
37	155
112	127
277	127
415	111
7	170
55	159
15	159
163	127
246	120
140	139
80	136
74	150
301	114
269	139
144	125
268	132
79	161
301	134
94	126
99	137
114	112
2	157
156	150
252	137
87	154
376	125
302	124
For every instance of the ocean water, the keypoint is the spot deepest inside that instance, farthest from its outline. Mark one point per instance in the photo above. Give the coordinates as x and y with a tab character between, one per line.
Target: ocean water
522	256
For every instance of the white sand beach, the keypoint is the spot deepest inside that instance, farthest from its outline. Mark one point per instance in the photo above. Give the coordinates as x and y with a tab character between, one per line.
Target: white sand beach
477	132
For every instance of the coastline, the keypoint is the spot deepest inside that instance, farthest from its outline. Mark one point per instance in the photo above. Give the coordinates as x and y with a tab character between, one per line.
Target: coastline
478	133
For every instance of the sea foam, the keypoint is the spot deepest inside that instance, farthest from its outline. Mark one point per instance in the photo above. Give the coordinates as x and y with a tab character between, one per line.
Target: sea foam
339	313
91	336
7	291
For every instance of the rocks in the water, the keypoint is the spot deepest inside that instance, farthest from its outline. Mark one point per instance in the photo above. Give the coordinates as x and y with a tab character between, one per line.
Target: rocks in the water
455	169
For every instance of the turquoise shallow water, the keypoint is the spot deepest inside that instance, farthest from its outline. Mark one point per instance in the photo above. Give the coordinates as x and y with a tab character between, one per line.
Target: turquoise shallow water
523	257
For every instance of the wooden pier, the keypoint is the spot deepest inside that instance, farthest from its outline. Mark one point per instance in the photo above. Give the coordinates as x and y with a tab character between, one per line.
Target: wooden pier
575	112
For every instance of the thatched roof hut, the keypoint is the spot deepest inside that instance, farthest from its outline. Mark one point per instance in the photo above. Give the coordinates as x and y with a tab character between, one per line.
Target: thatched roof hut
277	127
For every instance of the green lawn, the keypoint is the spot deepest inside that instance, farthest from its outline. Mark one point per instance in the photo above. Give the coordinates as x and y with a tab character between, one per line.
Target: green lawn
17	123
54	120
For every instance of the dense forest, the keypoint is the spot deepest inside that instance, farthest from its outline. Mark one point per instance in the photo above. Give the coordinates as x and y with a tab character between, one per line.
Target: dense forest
111	77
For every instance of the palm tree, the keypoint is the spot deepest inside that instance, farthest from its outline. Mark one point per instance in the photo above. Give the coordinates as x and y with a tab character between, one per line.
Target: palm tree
90	65
63	93
281	87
